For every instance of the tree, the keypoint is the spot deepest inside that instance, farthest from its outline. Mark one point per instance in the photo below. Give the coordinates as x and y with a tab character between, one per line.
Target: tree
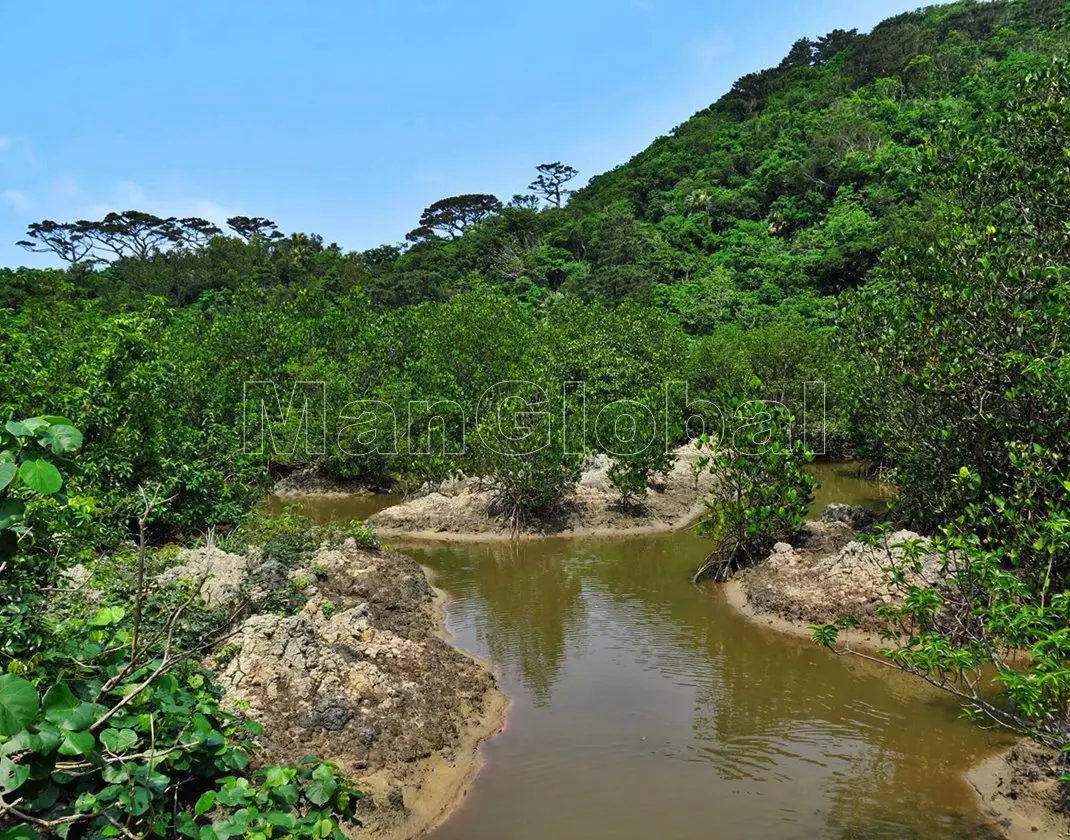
801	54
837	40
551	182
132	234
68	241
453	216
196	232
958	341
254	228
525	202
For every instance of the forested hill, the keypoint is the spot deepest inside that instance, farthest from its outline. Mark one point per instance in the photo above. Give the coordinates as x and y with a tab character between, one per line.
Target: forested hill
782	193
798	177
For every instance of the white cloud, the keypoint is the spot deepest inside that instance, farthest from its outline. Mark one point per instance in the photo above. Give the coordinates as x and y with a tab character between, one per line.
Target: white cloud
168	201
64	198
17	200
705	52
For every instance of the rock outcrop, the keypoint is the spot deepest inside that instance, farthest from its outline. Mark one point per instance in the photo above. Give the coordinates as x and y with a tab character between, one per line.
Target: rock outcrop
360	675
828	572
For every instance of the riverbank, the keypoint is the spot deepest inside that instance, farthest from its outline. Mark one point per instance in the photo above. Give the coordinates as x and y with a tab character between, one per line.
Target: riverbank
459	510
362	675
1018	792
827	574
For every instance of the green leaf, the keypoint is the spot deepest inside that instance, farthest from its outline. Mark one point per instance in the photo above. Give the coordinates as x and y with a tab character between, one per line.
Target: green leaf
140	802
118	741
12	775
41	476
59	703
205	803
18	429
281	819
77	743
11	510
322	787
65	710
19	832
18	704
107	615
7	474
63	439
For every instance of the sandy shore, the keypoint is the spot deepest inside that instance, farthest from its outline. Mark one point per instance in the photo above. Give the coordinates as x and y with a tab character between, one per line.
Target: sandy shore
735	593
1016	791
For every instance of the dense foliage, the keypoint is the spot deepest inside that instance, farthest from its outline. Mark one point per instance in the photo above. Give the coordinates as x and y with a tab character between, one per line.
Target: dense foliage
108	726
962	364
876	226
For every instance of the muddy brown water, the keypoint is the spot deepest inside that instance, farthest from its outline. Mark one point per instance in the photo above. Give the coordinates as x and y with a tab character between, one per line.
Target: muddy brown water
645	707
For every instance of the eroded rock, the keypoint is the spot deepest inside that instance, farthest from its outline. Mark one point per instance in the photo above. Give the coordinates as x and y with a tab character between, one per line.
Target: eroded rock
828	573
361	676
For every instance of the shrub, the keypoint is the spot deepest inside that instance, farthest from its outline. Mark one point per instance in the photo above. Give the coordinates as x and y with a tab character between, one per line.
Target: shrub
109	727
761	492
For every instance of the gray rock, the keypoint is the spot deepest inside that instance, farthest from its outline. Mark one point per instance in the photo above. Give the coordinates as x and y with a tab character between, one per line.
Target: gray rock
331	713
856	517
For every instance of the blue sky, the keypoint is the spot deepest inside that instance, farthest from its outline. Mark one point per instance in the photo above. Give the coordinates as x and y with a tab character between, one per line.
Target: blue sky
347	118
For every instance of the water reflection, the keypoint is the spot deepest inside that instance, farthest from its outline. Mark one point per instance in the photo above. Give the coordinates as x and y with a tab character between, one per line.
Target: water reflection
646	707
529	608
846	482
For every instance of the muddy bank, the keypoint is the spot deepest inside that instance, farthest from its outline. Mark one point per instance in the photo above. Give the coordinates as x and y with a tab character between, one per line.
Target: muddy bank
459	510
361	675
1019	792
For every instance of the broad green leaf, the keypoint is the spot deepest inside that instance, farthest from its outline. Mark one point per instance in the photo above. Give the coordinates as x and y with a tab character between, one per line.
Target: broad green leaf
18	704
281	819
77	743
55	420
107	615
59	703
118	741
41	476
276	776
140	803
65	710
321	789
7	474
17	429
63	439
12	775
205	803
